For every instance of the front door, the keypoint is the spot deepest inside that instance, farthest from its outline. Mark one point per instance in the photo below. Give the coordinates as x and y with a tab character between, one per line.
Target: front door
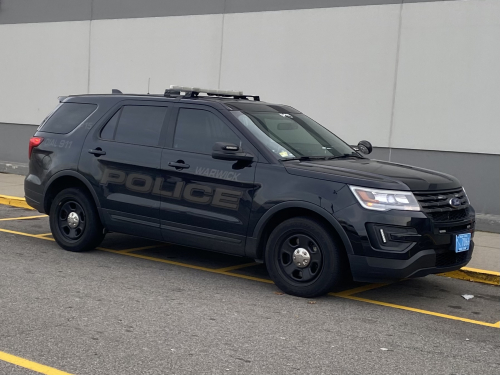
206	202
121	158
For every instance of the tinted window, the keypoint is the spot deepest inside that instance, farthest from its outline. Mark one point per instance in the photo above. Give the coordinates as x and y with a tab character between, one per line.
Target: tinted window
140	125
198	130
67	117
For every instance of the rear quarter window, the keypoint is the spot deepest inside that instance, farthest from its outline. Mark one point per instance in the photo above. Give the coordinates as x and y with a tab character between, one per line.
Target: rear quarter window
67	117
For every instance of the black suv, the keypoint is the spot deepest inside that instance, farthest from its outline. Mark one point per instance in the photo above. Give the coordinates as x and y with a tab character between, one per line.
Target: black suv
226	172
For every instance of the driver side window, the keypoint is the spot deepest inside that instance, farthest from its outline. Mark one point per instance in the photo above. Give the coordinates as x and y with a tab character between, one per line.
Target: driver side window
198	130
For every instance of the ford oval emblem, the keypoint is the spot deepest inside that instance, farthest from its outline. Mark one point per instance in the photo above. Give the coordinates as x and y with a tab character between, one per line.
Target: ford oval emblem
455	202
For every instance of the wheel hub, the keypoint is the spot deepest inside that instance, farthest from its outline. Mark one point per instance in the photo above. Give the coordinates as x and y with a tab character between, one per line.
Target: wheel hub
301	257
73	220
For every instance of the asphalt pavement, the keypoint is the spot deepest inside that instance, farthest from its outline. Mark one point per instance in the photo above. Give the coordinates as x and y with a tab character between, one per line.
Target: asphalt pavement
141	307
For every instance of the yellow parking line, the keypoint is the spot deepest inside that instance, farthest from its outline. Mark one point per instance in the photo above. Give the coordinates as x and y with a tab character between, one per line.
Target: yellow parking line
26	234
21	362
141	248
188	265
247	277
44	234
495	325
360	289
23	218
237	267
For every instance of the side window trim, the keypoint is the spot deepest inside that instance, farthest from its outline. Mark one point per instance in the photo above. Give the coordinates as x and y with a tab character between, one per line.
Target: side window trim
171	124
107	118
120	111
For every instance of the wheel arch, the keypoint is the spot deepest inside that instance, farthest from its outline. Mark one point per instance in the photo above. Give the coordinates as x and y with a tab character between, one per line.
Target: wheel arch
256	242
67	179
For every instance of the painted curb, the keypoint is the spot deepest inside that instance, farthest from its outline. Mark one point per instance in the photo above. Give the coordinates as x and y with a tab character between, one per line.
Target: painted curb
14	201
465	273
474	274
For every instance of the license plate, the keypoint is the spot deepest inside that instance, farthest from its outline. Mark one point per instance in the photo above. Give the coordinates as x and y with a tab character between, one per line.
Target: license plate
462	242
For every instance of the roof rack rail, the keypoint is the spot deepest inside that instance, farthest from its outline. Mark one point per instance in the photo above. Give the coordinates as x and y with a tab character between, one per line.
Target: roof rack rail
193	92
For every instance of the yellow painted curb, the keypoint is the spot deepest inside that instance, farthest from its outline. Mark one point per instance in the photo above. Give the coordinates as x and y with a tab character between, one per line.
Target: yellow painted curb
474	274
14	201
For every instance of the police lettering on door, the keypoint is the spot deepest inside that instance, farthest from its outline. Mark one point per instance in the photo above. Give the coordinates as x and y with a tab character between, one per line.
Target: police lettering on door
194	193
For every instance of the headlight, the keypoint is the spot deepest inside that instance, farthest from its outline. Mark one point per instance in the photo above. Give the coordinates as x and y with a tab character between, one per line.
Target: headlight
385	200
466	196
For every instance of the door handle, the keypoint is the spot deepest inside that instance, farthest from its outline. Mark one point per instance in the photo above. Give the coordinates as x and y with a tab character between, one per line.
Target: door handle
97	152
178	165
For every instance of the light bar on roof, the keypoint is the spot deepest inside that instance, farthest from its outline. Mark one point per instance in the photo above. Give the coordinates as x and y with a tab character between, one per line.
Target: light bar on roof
206	91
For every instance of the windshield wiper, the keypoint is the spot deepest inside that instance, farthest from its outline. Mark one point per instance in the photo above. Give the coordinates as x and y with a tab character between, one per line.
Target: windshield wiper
309	158
345	156
306	158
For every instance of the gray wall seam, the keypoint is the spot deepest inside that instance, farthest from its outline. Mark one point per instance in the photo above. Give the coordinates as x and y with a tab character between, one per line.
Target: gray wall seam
222	43
90	47
396	74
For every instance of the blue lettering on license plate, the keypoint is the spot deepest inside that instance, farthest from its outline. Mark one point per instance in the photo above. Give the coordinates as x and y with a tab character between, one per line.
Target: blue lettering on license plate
462	242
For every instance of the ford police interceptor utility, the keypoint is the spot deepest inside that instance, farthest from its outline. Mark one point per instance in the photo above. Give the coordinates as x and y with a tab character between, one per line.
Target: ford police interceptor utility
223	171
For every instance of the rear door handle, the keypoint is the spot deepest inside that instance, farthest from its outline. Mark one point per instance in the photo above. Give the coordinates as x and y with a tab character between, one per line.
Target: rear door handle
178	165
97	152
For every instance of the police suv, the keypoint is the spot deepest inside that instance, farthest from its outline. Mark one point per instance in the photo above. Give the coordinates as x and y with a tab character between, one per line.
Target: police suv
223	171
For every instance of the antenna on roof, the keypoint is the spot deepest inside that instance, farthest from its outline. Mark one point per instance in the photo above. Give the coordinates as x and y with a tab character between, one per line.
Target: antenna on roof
149	80
116	91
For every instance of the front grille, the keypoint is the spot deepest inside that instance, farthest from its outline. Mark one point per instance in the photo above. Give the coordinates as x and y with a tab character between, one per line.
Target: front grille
437	205
450	259
450	215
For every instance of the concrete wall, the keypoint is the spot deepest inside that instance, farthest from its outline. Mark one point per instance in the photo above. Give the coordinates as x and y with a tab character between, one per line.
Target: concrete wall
416	78
14	140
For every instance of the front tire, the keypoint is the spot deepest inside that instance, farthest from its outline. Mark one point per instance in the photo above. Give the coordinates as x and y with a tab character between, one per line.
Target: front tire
74	221
303	258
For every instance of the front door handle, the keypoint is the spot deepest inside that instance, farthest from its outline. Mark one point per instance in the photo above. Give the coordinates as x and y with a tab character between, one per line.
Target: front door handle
178	165
97	152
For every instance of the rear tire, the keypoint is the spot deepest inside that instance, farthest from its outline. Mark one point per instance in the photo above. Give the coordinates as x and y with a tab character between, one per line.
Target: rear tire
303	259
74	221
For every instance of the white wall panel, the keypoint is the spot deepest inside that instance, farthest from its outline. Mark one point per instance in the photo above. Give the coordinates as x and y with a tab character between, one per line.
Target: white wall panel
38	63
337	65
448	91
169	50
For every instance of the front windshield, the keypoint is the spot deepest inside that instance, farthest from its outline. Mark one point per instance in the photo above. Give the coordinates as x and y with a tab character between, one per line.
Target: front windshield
293	136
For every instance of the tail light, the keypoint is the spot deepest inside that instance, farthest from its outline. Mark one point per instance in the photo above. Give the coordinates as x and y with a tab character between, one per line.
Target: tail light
34	142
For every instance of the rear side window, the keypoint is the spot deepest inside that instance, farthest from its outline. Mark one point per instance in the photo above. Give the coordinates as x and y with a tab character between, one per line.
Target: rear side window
140	125
67	117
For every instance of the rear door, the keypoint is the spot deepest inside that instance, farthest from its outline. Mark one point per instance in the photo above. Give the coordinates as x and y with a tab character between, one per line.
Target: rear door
206	202
121	158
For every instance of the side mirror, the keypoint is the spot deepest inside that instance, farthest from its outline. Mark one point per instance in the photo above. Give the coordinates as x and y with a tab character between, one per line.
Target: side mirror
365	147
229	151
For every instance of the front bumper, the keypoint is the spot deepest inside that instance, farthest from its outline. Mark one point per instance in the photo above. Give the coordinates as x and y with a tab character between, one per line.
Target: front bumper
416	245
371	269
